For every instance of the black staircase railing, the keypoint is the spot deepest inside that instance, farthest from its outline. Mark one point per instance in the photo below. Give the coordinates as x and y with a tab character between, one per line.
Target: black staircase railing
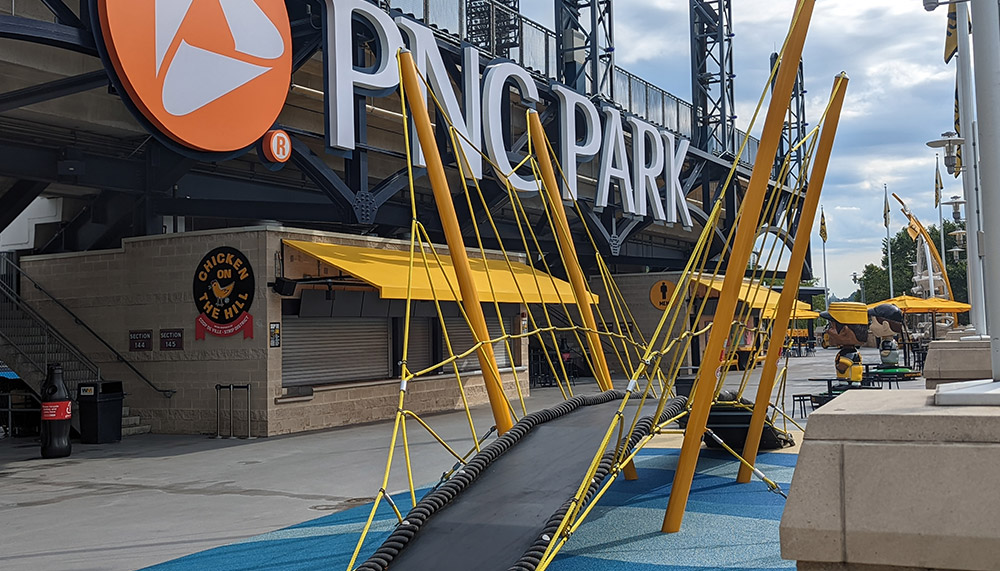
11	274
38	343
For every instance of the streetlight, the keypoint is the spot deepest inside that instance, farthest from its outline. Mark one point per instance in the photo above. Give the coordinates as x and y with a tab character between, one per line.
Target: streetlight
950	142
930	5
860	282
956	203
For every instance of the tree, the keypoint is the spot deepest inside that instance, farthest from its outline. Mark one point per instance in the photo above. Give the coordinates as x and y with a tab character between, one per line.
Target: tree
904	257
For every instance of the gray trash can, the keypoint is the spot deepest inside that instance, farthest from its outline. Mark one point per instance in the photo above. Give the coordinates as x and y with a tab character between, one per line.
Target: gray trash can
100	409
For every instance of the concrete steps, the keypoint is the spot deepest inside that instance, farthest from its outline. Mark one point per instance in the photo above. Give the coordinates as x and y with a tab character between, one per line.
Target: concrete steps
132	424
134	430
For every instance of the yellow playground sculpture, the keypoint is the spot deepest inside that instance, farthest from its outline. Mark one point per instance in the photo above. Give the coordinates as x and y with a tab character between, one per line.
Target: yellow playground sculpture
511	517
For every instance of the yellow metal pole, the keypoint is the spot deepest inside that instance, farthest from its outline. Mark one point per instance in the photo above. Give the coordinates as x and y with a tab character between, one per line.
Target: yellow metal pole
456	245
569	251
793	276
746	230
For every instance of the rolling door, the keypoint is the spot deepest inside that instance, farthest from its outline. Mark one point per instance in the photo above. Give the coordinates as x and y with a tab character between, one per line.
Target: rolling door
462	339
340	349
418	357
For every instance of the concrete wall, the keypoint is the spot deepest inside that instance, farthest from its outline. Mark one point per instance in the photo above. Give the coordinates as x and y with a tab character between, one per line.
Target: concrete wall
147	285
635	290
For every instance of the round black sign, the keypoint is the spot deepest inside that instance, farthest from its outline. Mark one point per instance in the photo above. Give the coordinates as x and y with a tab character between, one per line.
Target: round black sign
224	285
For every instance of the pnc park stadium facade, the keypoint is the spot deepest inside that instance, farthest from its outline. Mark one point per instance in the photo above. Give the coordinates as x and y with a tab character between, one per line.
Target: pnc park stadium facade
186	187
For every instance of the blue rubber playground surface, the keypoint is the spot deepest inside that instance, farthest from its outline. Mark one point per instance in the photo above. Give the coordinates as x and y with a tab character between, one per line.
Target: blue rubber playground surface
727	526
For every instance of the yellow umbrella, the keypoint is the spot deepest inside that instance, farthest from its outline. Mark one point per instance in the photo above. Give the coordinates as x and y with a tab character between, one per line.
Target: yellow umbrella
799	311
910	304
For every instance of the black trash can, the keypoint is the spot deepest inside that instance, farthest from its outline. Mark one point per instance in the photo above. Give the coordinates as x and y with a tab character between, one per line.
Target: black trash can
100	409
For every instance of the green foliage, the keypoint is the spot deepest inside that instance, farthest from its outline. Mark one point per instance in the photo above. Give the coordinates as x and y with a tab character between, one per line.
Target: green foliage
904	255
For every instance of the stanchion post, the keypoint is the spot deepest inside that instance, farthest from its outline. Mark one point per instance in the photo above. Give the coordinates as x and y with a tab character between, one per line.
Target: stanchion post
248	411
218	411
232	434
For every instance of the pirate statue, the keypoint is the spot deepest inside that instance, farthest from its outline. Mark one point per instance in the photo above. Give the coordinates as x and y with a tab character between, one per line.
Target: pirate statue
886	324
848	330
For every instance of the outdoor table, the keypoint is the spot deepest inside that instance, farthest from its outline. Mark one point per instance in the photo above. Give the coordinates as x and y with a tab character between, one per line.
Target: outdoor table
890	375
829	382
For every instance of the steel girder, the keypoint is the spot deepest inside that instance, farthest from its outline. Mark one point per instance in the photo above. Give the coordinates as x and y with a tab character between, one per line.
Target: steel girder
158	172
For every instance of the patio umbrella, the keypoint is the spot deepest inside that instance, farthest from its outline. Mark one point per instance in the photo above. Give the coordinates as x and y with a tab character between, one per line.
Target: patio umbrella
800	311
911	304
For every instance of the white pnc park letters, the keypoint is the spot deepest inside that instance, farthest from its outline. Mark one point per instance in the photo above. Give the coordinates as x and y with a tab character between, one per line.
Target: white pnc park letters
479	119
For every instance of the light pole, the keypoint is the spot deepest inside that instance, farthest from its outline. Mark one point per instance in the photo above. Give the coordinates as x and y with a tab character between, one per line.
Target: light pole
970	176
956	203
861	283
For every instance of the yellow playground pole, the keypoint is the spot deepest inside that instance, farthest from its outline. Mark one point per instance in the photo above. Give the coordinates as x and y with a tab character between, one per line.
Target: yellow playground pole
746	231
793	276
569	251
456	244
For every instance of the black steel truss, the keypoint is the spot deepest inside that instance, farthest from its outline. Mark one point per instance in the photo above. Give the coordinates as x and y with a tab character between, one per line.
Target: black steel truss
712	76
159	182
585	46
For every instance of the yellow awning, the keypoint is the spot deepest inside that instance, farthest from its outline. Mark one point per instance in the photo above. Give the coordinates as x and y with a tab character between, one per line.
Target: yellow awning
387	271
756	296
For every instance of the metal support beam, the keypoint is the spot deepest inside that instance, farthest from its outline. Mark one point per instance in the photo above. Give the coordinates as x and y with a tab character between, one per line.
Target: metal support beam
17	198
585	46
63	13
78	40
52	90
164	167
71	165
321	174
252	210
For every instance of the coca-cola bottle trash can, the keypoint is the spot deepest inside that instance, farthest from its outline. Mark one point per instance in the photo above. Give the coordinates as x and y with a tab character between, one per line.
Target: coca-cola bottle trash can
57	412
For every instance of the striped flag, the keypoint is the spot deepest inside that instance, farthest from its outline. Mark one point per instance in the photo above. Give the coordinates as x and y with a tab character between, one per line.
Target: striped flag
822	225
938	185
958	130
951	39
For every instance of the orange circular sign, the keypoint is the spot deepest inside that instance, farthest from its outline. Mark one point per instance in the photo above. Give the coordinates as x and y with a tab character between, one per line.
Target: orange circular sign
277	146
210	74
659	294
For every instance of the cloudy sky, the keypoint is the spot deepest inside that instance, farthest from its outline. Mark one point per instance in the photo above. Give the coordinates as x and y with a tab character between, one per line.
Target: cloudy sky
900	96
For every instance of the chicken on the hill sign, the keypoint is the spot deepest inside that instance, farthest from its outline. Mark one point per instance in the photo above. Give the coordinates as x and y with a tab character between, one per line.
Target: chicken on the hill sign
223	291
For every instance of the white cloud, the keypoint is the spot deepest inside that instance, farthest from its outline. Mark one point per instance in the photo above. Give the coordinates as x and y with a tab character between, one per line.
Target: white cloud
900	95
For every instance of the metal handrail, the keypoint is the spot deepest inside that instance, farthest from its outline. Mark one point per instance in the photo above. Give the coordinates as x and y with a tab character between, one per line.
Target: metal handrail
49	331
76	319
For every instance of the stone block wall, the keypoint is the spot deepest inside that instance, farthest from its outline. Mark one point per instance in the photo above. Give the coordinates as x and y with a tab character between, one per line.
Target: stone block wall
346	404
148	285
635	290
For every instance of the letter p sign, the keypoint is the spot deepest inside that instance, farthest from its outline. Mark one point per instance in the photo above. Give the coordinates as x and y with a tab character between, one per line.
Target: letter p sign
277	146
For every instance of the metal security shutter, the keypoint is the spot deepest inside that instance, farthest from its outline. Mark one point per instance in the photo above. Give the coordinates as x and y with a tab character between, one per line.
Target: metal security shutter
339	349
418	357
462	340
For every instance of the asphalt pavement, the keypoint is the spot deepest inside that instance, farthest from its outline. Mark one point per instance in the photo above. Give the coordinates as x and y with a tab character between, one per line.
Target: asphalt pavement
153	498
